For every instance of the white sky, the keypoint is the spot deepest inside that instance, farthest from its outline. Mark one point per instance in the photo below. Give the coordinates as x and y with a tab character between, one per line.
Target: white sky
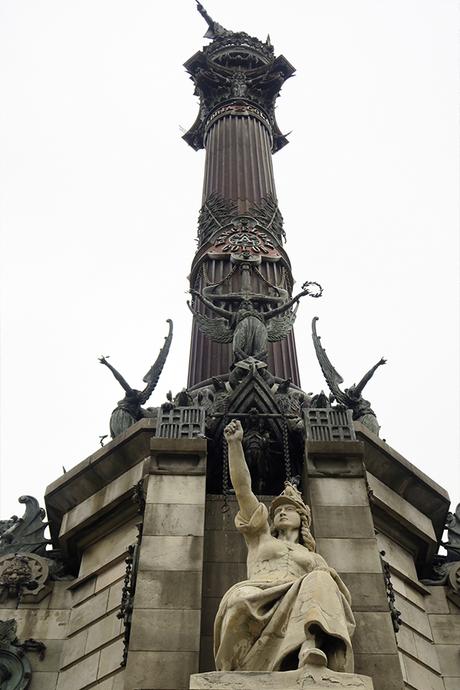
99	198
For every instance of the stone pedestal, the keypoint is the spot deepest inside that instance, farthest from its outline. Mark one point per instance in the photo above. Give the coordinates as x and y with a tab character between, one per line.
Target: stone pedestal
303	679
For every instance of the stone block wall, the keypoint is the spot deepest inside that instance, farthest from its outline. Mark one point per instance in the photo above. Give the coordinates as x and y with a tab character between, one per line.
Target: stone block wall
166	618
343	528
47	622
93	649
429	637
444	619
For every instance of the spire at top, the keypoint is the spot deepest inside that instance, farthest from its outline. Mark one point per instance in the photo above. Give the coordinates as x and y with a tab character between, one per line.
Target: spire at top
215	29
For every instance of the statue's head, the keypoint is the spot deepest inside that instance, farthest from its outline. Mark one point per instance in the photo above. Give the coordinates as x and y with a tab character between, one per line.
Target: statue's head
246	304
288	511
352	392
133	395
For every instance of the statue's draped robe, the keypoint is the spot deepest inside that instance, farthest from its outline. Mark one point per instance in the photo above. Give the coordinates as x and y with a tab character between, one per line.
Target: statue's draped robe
250	336
263	620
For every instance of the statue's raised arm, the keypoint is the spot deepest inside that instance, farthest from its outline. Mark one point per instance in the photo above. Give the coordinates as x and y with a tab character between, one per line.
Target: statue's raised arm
217	310
239	471
367	377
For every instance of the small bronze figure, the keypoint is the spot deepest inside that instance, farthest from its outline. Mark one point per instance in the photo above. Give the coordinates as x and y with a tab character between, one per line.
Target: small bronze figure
129	410
247	328
350	398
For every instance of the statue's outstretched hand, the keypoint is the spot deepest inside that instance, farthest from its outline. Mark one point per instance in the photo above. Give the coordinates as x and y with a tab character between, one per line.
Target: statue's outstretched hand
103	360
382	361
233	431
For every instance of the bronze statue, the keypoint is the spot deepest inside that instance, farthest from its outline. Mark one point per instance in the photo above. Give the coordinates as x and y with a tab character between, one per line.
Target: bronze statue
350	398
247	328
129	410
215	29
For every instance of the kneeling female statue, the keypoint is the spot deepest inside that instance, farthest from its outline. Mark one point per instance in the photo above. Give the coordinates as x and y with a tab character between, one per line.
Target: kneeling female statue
293	610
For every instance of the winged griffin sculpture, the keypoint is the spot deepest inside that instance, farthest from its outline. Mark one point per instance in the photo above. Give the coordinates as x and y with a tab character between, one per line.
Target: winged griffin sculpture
129	410
350	398
248	329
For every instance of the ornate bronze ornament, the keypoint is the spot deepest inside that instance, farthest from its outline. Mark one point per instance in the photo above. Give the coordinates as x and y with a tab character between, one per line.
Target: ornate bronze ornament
15	669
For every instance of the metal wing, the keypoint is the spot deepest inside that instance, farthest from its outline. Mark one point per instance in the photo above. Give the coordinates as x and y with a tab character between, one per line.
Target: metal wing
216	329
280	327
27	533
152	376
331	375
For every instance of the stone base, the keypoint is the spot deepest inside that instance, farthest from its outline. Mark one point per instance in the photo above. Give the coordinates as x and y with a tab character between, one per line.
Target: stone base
303	679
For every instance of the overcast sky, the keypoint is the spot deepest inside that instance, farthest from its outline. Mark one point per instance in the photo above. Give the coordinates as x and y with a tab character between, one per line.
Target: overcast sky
99	199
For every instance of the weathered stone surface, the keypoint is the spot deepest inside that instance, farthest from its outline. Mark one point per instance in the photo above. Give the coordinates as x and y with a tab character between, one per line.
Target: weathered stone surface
417	646
171	553
119	681
406	513
367	591
308	677
109	548
74	648
89	511
79	675
207	662
374	634
215	517
89	611
115	593
222	547
111	574
384	669
337	492
342	521
51	660
350	555
436	601
179	456
110	658
60	597
218	577
102	632
420	677
449	660
82	590
41	624
414	617
173	519
397	557
409	591
176	489
451	683
445	628
43	681
168	590
160	670
172	630
208	614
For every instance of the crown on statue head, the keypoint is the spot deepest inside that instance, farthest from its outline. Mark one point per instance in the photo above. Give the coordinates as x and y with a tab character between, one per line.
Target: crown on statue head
292	496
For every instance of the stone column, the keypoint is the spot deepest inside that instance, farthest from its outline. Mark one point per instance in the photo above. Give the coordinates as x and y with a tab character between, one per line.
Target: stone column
344	532
166	618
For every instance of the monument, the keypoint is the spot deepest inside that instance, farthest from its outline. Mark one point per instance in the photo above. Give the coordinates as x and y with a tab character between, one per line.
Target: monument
244	534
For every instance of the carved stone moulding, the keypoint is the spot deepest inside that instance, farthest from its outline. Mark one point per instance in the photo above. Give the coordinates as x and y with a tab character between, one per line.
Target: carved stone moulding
307	677
24	576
